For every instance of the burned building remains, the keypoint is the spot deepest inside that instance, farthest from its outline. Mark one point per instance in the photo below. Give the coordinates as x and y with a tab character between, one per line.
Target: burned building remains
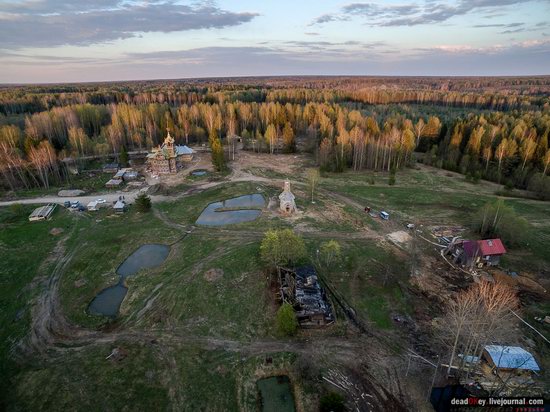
300	287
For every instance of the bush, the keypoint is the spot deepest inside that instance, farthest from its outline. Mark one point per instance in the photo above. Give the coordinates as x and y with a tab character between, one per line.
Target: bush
17	209
540	184
392	179
330	252
287	324
332	402
143	203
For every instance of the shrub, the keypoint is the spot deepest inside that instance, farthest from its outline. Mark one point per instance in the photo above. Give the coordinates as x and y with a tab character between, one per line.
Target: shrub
287	324
330	252
540	184
17	209
392	179
509	185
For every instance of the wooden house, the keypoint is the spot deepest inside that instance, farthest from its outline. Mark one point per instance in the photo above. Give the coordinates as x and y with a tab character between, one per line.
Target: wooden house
479	253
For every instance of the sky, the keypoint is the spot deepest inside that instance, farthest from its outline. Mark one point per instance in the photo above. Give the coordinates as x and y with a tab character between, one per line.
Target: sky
108	40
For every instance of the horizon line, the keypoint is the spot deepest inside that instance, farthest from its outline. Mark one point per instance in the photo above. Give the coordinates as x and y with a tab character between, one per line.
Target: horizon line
447	76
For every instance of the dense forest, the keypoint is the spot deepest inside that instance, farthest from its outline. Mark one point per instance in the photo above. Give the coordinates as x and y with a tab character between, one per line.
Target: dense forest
492	128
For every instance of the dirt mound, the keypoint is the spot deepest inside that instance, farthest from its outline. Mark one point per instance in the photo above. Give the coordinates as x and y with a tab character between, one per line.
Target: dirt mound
79	283
70	193
213	275
400	237
56	231
154	189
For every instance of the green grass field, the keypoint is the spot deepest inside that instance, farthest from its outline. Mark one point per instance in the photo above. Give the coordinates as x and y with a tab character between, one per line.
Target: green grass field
431	197
234	305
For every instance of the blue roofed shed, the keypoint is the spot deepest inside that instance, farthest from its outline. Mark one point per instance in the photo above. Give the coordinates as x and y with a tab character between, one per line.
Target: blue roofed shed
510	358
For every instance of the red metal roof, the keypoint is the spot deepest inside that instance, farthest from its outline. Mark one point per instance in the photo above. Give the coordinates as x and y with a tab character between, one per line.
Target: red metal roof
489	247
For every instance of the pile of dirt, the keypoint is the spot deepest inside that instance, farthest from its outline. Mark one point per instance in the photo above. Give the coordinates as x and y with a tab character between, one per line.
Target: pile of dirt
70	193
399	237
79	283
56	231
154	189
213	275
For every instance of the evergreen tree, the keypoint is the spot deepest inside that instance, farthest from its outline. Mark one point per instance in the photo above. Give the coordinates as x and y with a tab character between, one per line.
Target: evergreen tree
123	157
143	203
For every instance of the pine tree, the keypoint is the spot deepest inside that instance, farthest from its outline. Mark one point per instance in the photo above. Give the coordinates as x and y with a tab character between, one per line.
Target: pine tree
143	203
123	157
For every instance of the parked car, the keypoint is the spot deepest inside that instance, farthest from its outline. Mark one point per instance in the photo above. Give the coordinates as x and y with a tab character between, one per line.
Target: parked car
384	215
101	201
81	208
75	204
67	203
410	225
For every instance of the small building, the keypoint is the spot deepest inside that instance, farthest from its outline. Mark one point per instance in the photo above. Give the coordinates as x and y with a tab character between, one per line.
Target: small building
42	212
480	253
119	174
113	183
120	206
130	175
287	202
110	168
491	250
168	158
301	288
126	174
509	359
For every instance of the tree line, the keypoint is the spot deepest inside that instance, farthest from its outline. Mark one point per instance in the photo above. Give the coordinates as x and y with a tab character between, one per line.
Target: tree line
510	147
497	93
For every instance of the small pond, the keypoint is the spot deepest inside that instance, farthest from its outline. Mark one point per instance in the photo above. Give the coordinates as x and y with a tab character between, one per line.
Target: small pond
108	301
145	257
276	394
199	173
215	215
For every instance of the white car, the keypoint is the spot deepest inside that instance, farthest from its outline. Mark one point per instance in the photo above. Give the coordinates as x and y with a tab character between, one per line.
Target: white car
101	201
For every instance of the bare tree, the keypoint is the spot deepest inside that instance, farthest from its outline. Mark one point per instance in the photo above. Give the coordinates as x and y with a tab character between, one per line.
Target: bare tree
478	315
